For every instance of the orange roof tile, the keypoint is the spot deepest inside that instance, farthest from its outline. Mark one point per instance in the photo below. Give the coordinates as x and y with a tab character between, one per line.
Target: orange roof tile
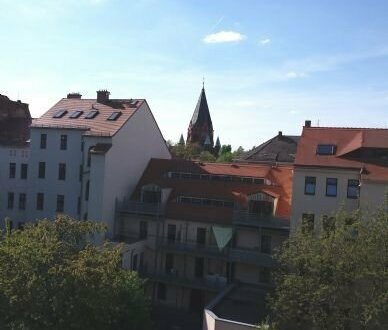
348	141
96	126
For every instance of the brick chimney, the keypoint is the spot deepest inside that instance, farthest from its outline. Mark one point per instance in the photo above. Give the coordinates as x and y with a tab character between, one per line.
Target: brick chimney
74	96
102	96
307	123
280	134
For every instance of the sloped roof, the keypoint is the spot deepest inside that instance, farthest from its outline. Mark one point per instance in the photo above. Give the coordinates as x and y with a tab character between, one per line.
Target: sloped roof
156	173
201	113
347	142
281	148
100	125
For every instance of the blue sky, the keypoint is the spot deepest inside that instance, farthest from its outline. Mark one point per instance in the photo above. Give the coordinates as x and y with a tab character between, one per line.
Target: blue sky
268	65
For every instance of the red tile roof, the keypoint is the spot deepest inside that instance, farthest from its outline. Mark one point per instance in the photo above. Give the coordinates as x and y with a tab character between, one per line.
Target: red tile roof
156	173
96	126
348	141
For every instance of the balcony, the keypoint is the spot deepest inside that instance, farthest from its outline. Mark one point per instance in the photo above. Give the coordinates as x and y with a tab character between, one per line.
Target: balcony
243	217
191	248
251	256
210	282
142	208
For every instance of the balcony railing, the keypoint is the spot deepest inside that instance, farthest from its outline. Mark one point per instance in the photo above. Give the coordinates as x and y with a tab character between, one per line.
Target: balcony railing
251	256
210	282
191	247
243	217
142	208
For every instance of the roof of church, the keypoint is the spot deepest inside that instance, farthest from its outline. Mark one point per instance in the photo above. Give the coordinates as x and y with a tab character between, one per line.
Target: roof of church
281	148
201	113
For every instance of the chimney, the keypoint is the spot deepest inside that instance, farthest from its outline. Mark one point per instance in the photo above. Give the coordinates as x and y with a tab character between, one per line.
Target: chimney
102	96
307	123
280	134
74	96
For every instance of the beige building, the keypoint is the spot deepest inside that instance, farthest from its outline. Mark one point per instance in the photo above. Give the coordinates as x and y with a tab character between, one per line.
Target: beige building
338	167
200	230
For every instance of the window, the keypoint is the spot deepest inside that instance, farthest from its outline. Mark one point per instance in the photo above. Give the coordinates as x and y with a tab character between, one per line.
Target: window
328	223
92	114
87	190
60	113
12	170
260	207
161	291
143	232
201	236
353	186
80	173
22	201
76	114
331	187
43	141
326	149
171	232
309	185
134	262
265	244
308	221
169	263
265	275
39	201
62	171
114	116
63	145
23	171
60	203
11	198
42	170
89	162
199	267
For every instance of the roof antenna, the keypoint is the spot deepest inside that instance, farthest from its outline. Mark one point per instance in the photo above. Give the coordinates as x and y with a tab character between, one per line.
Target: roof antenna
203	82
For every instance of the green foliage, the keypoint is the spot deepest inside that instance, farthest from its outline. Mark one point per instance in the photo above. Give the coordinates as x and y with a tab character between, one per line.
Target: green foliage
335	279
206	156
52	277
188	151
226	148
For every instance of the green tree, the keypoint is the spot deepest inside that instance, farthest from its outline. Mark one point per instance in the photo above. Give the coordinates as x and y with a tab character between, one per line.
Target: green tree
206	156
337	278
53	277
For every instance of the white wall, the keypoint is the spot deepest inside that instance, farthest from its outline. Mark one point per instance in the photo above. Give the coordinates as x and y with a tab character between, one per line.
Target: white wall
133	146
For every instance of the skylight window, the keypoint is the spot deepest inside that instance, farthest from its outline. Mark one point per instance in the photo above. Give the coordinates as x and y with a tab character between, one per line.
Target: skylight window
92	114
60	113
76	114
114	116
326	149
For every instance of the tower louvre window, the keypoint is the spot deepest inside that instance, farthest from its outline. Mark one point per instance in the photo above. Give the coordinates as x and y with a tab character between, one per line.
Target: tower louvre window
60	113
92	114
76	114
114	116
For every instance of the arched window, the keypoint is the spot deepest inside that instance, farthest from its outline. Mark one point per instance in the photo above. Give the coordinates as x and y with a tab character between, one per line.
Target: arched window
151	193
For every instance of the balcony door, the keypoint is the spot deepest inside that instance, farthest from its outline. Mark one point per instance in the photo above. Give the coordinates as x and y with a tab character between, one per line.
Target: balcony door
171	233
199	267
201	236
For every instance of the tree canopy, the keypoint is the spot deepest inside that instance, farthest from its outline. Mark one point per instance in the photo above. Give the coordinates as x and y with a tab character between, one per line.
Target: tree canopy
53	277
337	278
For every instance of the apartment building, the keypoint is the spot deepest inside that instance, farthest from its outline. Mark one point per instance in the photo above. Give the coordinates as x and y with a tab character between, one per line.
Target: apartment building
15	119
196	229
338	167
84	154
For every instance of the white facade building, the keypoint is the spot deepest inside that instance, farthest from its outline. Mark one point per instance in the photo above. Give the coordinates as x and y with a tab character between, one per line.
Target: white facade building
86	153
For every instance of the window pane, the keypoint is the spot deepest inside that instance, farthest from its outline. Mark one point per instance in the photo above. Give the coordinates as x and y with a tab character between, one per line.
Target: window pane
331	187
309	185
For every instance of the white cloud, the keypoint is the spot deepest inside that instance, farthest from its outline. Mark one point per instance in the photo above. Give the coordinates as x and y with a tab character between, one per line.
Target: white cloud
224	36
265	41
293	75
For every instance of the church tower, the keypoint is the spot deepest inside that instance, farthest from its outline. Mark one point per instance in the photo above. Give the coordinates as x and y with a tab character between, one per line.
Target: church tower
201	128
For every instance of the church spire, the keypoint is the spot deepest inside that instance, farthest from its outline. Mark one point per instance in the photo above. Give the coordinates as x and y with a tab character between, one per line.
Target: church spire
201	125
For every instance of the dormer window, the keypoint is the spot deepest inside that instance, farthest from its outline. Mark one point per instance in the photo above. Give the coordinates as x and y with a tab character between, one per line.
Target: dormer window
92	114
76	114
60	113
114	116
326	149
151	194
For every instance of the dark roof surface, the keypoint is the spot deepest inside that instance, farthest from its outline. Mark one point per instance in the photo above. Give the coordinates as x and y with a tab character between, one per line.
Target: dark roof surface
100	125
15	120
201	113
281	148
355	148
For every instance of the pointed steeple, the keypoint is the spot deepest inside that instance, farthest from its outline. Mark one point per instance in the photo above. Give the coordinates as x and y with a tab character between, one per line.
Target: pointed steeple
201	125
218	143
181	140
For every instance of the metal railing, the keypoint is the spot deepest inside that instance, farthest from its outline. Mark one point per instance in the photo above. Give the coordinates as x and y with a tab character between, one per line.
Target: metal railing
244	217
142	208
